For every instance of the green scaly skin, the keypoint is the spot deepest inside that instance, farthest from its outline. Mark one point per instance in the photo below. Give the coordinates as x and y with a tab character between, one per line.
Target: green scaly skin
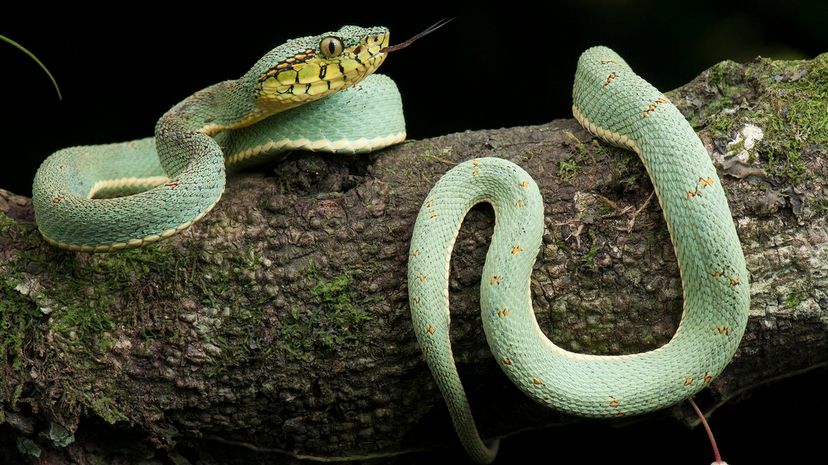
110	197
615	104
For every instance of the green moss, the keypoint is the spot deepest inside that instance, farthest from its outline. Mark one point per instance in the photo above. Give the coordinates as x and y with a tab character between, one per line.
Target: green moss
793	299
337	317
627	168
720	126
333	320
793	114
728	80
18	318
588	258
78	304
568	169
106	408
598	148
335	294
790	106
86	306
5	224
580	148
24	233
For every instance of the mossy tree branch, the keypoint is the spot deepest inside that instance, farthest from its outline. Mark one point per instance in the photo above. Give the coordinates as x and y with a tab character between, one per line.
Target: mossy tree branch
280	322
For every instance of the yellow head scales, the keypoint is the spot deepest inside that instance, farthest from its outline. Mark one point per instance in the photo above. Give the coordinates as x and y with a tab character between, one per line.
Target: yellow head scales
318	71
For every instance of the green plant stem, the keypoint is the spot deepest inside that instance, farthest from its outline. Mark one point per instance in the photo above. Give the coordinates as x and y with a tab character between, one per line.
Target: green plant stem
33	57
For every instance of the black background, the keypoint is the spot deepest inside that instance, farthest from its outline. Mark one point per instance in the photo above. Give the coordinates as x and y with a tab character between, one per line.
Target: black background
120	67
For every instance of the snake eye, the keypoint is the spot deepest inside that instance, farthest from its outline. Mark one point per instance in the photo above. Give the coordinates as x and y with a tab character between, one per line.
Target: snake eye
331	46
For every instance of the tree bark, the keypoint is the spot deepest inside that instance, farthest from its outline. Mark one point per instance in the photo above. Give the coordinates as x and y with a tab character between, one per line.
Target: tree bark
277	329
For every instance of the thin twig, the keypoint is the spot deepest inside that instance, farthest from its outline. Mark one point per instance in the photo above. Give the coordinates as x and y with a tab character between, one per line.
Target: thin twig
31	55
631	223
716	454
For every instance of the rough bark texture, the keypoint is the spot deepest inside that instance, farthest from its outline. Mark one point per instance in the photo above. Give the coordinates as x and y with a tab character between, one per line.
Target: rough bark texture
279	324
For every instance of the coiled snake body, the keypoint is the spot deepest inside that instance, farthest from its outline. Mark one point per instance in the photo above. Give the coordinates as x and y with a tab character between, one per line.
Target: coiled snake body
615	104
110	197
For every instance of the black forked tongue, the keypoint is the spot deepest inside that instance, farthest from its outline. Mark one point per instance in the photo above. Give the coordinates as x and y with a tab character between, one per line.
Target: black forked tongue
402	45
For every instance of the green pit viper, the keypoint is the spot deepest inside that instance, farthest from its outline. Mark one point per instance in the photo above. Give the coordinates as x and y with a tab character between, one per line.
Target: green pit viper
111	197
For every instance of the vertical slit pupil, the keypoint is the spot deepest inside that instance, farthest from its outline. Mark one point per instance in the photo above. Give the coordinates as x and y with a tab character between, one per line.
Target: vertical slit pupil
331	46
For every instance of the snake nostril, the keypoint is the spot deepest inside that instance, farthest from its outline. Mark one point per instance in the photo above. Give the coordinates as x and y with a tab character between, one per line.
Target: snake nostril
357	49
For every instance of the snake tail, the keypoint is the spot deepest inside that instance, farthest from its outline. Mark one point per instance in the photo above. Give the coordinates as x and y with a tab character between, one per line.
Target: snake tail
621	108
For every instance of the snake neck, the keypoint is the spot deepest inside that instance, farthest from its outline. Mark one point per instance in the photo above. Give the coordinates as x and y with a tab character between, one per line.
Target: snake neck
226	105
183	134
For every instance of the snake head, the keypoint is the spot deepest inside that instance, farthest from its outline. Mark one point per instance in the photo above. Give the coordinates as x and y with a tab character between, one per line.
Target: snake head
309	68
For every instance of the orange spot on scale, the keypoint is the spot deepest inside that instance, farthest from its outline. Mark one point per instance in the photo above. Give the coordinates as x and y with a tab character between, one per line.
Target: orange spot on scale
688	380
494	280
431	329
611	76
506	361
537	381
422	278
517	249
524	184
707	378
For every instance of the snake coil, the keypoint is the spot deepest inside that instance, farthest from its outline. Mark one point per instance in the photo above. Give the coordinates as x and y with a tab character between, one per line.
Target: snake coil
310	93
621	108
